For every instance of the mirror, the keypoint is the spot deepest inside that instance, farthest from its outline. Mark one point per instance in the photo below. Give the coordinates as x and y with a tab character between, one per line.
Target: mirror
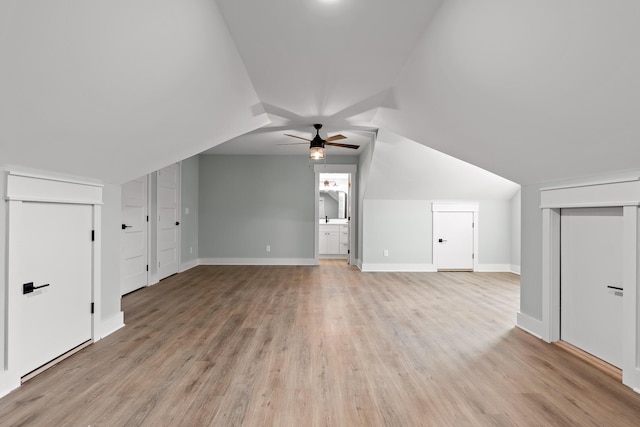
333	204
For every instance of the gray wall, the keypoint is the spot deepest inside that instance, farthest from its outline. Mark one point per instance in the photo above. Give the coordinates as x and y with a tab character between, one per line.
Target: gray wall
189	222
494	232
516	231
403	227
3	276
111	233
531	255
248	202
364	168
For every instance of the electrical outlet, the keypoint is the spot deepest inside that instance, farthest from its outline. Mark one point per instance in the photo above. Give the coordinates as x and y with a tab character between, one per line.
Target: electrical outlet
268	248
385	252
190	250
186	211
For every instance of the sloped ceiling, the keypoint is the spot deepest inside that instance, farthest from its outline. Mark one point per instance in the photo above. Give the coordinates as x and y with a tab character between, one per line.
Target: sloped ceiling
534	91
531	90
402	169
115	89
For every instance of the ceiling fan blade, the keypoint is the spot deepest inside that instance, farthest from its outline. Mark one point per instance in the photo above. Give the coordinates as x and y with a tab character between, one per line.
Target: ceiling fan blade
295	143
299	137
335	138
355	147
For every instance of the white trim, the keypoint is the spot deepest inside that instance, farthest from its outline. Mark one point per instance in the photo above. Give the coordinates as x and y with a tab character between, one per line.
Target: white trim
346	168
625	193
618	193
592	183
31	188
515	269
188	265
455	207
421	268
257	261
493	268
529	324
112	324
24	187
359	264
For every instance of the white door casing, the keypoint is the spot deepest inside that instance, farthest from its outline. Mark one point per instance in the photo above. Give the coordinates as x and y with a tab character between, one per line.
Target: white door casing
134	257
55	252
351	170
168	225
71	213
455	236
591	269
617	191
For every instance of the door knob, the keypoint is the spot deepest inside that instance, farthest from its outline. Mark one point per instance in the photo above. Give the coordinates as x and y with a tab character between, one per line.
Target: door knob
27	288
177	223
125	226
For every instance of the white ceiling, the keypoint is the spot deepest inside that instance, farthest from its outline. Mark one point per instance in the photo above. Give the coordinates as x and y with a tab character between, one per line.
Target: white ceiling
530	90
323	62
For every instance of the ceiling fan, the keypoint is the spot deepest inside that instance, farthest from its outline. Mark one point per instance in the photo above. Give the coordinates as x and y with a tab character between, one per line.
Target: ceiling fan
317	144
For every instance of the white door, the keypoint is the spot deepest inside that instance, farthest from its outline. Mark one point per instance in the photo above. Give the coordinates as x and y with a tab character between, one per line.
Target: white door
168	221
591	270
453	232
53	251
134	236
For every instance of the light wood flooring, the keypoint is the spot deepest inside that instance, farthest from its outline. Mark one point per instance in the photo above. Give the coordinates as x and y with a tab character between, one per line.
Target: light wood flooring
322	346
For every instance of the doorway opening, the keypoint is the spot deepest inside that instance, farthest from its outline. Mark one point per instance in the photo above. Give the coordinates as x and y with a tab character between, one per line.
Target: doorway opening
334	225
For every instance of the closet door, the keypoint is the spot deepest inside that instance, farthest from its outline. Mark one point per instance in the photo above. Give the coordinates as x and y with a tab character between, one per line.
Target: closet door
51	261
591	270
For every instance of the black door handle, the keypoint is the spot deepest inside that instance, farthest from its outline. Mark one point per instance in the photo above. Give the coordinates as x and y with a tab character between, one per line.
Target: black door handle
27	288
441	240
125	226
177	223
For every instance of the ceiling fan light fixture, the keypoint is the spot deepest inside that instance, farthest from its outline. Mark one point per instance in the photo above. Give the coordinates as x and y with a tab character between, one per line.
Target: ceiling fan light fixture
316	153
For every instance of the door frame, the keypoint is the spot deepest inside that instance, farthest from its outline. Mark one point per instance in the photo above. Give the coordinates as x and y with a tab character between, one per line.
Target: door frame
178	218
27	187
438	207
147	206
623	193
351	170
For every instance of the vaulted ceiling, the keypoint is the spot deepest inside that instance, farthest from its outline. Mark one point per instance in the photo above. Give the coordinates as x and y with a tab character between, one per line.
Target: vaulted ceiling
531	90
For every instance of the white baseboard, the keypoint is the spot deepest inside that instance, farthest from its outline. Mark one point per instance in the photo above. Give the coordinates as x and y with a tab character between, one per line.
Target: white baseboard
529	324
422	268
492	268
112	324
515	269
359	264
189	265
257	261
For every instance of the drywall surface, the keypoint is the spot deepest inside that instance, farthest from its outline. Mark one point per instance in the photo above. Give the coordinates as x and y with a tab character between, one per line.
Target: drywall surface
249	202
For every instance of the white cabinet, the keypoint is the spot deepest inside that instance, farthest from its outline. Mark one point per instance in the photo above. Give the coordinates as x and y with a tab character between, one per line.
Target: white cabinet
329	239
334	239
344	239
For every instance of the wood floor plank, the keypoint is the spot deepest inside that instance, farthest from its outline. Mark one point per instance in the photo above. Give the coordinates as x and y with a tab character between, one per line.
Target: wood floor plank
322	346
